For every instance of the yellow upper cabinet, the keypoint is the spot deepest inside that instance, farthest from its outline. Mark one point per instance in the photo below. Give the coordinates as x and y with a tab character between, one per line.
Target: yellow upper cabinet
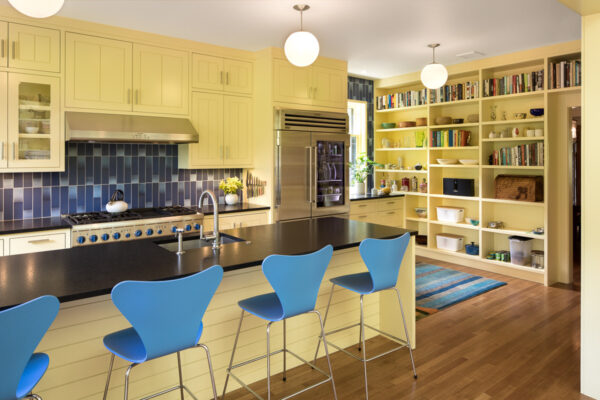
160	80
221	74
34	48
3	120
237	131
314	85
98	73
3	44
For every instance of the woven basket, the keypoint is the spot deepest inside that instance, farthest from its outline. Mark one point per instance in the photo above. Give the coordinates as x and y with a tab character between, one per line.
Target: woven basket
520	187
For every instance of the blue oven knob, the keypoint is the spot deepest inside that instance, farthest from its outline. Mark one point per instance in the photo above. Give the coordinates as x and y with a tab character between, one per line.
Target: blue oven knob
105	236
174	229
159	231
127	235
197	226
93	238
188	227
138	233
81	239
116	235
149	232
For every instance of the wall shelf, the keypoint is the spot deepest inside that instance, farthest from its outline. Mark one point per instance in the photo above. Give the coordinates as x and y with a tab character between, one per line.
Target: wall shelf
402	171
452	126
452	166
515	139
516	232
455	148
401	149
538	167
515	95
462	225
450	103
421	107
408	128
514	121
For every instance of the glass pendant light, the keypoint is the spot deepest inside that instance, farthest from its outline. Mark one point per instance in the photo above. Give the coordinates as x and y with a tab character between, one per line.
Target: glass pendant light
434	75
302	47
37	8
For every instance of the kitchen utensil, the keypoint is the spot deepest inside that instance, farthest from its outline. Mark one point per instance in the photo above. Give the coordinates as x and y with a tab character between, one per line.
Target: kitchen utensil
388	125
447	161
520	115
418	167
421	240
32	129
443	120
537	259
385	143
472	221
536	112
472	249
495	224
421	212
116	203
406	124
458	120
469	162
421	121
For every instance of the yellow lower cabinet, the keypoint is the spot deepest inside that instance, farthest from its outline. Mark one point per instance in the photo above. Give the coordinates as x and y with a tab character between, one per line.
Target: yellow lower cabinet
237	220
386	211
35	242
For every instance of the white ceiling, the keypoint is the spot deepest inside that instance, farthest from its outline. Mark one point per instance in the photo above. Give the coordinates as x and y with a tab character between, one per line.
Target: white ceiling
379	38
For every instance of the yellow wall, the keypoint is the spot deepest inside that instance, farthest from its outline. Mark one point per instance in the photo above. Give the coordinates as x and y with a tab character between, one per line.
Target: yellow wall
590	220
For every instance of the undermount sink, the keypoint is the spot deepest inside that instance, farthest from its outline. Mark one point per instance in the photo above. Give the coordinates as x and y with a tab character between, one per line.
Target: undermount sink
194	242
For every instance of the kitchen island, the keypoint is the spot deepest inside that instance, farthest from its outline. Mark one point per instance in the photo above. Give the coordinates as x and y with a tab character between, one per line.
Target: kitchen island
82	278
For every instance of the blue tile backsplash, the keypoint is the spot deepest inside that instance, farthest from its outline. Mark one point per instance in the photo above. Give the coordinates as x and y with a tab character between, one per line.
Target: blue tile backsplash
147	174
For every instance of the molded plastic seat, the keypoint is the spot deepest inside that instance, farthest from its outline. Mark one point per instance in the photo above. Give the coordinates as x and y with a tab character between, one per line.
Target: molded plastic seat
21	330
266	306
360	283
166	318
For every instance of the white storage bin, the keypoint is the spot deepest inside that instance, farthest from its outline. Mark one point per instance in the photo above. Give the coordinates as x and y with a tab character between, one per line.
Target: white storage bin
520	250
450	242
450	214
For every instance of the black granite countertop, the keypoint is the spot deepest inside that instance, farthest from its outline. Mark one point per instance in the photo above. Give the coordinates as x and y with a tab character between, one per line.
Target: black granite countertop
89	271
44	224
368	196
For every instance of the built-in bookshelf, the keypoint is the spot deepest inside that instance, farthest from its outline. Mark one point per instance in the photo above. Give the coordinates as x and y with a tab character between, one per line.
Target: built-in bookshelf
490	100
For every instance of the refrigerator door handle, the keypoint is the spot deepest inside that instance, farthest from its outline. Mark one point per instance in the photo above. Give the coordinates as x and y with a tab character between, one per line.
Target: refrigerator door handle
309	172
314	176
278	177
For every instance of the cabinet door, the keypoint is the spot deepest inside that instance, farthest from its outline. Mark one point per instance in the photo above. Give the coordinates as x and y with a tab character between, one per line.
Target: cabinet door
237	131
34	121
238	76
207	72
3	44
329	87
98	73
290	84
34	48
207	117
35	243
393	218
3	120
160	80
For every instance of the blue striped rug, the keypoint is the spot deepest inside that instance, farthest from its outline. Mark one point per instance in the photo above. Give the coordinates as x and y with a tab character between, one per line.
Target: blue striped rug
438	288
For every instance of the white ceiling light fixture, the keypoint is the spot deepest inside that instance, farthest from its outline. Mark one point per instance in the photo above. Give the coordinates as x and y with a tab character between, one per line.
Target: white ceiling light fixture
301	48
434	75
37	8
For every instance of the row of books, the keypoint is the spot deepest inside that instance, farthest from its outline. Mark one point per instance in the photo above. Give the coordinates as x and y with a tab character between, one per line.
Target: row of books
460	91
450	138
525	155
512	84
404	99
564	74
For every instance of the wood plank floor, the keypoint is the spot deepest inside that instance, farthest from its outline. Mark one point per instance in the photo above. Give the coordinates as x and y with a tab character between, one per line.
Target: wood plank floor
520	341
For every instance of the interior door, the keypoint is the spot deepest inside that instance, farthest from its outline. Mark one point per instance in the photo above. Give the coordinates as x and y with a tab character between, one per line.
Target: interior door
293	175
331	189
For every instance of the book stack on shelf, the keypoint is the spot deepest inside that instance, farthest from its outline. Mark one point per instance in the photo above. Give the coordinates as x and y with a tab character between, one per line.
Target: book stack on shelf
457	92
513	84
564	74
450	138
409	98
525	155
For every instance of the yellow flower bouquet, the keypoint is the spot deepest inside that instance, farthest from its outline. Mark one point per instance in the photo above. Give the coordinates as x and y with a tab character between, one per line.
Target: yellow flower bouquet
231	185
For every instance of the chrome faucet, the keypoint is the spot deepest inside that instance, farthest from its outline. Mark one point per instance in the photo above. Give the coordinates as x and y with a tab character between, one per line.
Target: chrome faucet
217	236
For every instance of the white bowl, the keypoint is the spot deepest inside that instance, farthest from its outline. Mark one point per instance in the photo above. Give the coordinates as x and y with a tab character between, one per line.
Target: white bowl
469	162
447	161
32	129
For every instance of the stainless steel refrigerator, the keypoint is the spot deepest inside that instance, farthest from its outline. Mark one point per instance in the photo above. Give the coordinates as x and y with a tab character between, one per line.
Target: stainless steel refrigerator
311	164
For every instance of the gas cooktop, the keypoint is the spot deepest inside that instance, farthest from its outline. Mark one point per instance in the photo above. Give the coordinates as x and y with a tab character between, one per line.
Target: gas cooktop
129	215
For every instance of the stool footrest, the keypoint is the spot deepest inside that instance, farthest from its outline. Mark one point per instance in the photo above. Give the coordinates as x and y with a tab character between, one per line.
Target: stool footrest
168	391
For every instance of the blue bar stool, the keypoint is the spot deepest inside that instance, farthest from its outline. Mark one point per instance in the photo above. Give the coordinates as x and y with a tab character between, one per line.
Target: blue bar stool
166	318
21	330
383	258
296	281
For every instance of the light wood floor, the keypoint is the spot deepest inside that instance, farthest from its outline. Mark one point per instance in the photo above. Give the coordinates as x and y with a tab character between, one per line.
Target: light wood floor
520	341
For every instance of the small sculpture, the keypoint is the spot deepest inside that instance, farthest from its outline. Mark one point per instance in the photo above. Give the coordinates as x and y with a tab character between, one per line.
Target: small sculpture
493	113
504	115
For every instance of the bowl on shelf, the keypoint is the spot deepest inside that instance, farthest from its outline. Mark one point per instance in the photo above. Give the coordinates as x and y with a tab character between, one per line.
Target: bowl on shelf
32	129
406	124
458	120
421	121
536	112
473	118
443	120
520	115
422	240
388	125
472	221
469	162
447	161
421	212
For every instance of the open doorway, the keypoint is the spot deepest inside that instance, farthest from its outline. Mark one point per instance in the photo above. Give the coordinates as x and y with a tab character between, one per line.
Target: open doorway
575	118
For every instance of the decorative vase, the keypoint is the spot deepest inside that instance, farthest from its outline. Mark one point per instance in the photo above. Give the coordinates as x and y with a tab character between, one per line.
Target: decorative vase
359	188
231	199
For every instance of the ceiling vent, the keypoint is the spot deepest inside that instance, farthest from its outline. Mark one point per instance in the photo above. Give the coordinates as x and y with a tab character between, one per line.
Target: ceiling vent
470	54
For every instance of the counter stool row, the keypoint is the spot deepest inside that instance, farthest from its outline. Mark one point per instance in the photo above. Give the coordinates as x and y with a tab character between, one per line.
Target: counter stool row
166	318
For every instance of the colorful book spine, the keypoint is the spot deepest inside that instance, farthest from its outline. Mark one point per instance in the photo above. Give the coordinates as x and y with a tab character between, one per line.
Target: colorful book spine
410	98
564	74
457	92
450	138
513	84
525	155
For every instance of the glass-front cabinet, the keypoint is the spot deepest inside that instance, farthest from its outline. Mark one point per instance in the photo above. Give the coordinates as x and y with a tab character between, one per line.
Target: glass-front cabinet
34	137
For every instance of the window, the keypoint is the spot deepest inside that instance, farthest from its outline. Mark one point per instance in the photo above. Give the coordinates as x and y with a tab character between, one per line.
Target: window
357	118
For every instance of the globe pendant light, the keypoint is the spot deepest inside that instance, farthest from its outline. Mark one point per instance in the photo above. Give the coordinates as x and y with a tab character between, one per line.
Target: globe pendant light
37	8
302	47
434	75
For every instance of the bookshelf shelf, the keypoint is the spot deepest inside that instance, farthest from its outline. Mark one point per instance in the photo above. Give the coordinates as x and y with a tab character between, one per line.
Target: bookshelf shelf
452	166
450	103
455	148
447	196
421	107
513	121
515	95
515	202
512	167
407	129
402	171
518	232
401	149
515	139
565	90
452	126
462	225
424	220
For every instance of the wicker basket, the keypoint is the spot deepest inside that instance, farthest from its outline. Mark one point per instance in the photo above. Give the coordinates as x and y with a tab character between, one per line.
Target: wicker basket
520	187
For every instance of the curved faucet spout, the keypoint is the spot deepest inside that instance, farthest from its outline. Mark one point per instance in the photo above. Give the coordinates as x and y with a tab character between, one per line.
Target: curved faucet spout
211	194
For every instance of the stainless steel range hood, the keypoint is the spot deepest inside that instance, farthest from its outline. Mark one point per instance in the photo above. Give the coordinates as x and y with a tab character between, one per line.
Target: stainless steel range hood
92	127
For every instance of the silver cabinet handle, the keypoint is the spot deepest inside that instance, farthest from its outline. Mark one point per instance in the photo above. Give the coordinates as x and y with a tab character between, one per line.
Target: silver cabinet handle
221	152
227	152
14	50
227	75
137	96
128	96
40	241
314	174
2	45
14	151
391	212
222	80
362	205
2	150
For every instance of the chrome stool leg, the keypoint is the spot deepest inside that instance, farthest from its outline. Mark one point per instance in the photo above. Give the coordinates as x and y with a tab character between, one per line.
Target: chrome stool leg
34	396
210	370
406	333
284	350
364	349
127	380
237	336
269	361
110	367
326	352
324	321
180	375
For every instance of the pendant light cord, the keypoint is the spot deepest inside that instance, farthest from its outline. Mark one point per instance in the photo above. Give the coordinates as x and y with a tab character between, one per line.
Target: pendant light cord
301	20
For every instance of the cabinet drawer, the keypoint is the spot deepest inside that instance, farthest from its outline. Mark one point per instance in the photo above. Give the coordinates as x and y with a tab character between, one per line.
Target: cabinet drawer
362	207
37	243
390	204
1	247
360	217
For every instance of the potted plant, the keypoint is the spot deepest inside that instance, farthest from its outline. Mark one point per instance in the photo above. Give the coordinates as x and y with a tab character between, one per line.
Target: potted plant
230	186
361	167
